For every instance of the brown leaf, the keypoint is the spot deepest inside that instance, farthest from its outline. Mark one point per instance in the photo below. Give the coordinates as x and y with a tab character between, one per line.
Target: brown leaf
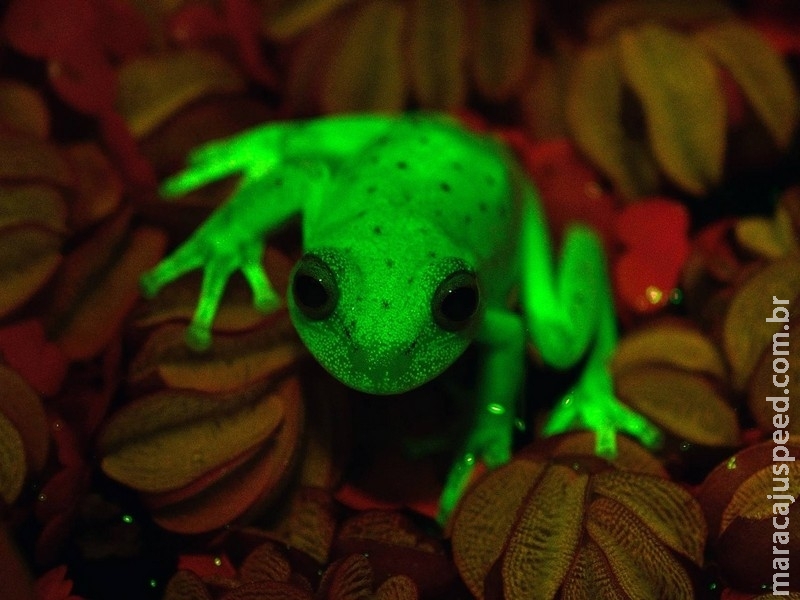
631	456
398	587
152	88
23	408
350	579
682	101
760	72
185	585
243	488
99	285
33	203
611	17
685	404
746	334
267	590
287	18
310	523
594	102
98	189
166	440
565	531
670	343
368	81
437	51
12	461
28	257
23	110
265	563
25	158
233	361
503	46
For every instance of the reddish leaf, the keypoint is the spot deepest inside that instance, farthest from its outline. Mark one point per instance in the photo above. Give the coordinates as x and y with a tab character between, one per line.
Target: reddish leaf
41	363
23	408
205	565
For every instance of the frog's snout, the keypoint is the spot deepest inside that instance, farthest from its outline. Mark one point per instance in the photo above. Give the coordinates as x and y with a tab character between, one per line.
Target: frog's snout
382	370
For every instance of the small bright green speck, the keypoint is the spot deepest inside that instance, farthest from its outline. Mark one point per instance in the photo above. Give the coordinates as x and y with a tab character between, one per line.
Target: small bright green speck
127	519
731	464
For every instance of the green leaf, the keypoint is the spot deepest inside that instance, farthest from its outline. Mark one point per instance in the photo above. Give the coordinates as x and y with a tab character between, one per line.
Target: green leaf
438	49
367	71
594	116
760	73
503	46
682	100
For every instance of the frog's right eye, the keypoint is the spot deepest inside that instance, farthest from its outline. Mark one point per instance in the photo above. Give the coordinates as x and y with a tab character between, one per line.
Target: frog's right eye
314	288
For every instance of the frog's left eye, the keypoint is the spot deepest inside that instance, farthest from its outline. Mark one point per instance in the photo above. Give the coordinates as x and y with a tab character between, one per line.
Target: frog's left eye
314	288
456	301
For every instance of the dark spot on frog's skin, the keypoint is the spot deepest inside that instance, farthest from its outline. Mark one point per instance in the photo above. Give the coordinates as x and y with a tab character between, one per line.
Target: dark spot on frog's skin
377	230
483	207
411	347
444	186
431	254
371	189
359	215
385	304
490	180
438	212
467	219
402	165
389	263
424	140
410	280
373	160
457	166
278	181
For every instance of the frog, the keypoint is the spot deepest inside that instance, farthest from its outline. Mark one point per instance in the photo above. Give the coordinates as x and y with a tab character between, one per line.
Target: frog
417	235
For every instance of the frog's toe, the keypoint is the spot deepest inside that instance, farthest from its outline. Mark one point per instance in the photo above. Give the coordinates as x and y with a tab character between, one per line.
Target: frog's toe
264	297
198	337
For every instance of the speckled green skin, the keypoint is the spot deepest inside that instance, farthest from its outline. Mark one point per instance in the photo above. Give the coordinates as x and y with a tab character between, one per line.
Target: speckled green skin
414	206
393	205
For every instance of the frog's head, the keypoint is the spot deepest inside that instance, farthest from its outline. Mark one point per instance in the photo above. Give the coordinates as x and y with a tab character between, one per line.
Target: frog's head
384	325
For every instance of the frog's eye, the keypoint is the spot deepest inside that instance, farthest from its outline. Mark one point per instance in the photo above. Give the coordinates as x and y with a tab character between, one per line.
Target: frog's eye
314	288
456	301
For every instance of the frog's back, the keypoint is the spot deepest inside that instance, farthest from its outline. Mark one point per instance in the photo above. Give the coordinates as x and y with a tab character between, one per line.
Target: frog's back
447	181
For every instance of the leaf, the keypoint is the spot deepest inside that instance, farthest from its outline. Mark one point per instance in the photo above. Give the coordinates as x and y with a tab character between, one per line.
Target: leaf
488	513
684	404
638	562
265	563
41	363
748	499
244	485
291	17
437	50
310	523
267	590
98	189
503	46
23	109
368	81
612	17
351	578
594	111
746	333
23	409
166	440
185	585
33	203
670	343
99	285
232	362
682	101
12	461
152	88
398	587
760	72
25	158
540	547
28	257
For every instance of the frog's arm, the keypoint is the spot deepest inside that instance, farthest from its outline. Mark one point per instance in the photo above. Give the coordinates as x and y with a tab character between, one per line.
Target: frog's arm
283	168
569	310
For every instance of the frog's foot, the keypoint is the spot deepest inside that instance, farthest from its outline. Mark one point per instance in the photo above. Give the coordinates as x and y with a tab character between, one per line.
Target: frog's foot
489	443
601	412
218	261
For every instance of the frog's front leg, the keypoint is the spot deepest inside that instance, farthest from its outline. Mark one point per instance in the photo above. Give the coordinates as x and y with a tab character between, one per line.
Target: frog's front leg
232	239
570	311
502	343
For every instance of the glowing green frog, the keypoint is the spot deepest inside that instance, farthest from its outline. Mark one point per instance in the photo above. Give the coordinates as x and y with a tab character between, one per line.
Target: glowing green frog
415	233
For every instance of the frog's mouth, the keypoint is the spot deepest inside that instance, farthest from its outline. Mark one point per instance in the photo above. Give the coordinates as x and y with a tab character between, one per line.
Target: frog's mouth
385	373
